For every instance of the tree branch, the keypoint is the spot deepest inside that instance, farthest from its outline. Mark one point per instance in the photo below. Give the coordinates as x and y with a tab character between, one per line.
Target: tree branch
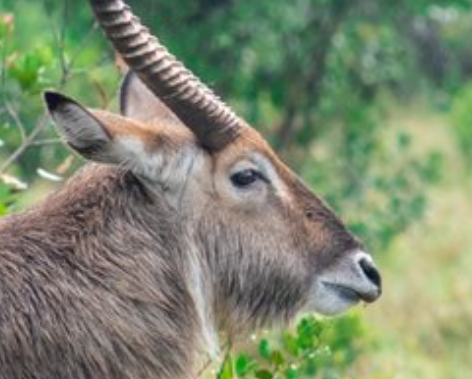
41	124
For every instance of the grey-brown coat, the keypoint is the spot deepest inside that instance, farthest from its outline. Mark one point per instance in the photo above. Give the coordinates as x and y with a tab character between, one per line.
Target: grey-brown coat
132	268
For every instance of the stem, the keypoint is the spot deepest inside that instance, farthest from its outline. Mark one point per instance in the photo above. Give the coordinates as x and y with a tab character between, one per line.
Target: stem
25	144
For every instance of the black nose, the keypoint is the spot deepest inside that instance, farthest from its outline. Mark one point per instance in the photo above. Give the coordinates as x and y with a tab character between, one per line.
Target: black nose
371	272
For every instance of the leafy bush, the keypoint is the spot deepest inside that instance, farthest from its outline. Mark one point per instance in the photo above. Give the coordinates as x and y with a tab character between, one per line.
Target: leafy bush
370	174
315	348
28	143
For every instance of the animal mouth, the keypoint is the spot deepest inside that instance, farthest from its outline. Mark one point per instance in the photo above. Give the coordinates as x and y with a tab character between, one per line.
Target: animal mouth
350	294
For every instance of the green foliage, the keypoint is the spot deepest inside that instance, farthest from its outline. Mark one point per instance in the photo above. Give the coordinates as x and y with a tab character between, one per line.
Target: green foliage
7	200
28	69
461	117
379	203
309	73
56	59
313	348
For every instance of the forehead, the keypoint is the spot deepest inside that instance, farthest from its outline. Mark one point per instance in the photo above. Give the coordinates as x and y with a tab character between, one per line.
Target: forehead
252	148
249	142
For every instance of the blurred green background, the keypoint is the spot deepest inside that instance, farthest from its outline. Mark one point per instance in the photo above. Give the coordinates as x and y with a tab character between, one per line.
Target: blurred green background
369	100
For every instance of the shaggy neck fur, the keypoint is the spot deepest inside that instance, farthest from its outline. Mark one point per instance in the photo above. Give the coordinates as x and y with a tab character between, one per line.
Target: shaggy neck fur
91	288
107	281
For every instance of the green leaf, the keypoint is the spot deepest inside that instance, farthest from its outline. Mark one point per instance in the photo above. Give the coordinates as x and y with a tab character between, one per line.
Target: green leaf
292	373
290	344
226	371
264	374
3	209
244	365
264	349
5	198
277	357
308	331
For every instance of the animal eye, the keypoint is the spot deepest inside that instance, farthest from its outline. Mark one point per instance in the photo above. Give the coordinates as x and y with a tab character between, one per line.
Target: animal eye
245	178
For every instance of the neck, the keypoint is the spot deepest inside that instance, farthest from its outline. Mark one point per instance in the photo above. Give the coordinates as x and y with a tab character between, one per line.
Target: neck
104	236
133	211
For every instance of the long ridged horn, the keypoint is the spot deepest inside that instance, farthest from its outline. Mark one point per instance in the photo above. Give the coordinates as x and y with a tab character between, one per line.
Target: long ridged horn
212	121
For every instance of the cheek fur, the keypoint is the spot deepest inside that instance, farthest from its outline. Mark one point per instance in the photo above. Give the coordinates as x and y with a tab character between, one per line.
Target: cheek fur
258	276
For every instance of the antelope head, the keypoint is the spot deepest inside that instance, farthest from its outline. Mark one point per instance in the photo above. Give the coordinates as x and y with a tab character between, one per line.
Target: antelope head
268	245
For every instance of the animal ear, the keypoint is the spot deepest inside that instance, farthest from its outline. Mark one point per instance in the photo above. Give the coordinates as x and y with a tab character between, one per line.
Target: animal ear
139	103
82	131
151	150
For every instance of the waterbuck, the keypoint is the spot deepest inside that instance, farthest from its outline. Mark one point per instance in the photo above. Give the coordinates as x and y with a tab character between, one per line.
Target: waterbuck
186	224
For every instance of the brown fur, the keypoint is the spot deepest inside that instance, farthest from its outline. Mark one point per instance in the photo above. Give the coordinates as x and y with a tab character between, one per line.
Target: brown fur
128	270
90	290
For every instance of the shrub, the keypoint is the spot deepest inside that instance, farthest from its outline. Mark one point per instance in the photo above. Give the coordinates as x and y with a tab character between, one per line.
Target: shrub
314	348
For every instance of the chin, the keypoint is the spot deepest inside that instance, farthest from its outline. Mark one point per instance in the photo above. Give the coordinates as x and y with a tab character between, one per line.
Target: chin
330	300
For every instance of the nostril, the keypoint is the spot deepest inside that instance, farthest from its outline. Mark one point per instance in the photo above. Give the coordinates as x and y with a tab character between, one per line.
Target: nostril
371	272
